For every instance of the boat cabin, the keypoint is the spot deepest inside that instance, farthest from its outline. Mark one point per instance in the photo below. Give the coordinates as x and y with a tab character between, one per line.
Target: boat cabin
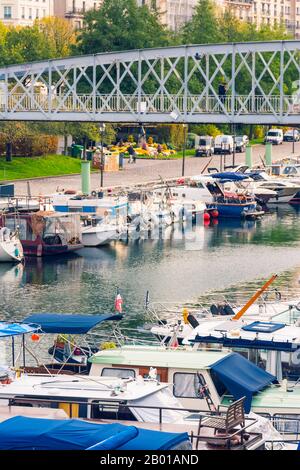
204	379
94	204
46	233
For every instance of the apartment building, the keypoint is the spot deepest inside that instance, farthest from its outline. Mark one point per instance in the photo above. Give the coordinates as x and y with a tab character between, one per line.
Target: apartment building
74	10
24	12
174	13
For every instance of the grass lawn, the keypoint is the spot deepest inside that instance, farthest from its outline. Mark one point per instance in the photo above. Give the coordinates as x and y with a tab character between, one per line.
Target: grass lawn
256	141
30	167
52	165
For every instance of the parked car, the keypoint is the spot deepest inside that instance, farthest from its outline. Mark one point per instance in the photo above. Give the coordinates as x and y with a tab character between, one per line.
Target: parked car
205	147
292	135
275	136
223	144
240	143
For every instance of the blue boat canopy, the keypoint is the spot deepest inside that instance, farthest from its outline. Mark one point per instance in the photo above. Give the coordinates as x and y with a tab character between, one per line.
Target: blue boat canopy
22	433
16	329
241	377
229	176
69	324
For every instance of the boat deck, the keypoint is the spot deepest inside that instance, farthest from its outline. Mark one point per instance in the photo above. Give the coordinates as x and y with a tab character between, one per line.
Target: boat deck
254	442
7	412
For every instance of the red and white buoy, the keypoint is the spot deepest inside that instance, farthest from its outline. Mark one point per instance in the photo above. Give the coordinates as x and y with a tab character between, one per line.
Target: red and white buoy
118	303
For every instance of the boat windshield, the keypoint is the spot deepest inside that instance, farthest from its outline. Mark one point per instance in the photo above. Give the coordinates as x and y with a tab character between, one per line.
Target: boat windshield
290	170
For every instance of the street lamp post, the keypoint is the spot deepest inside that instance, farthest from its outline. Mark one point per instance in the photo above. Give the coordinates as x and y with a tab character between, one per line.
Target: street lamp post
184	149
102	129
294	140
233	150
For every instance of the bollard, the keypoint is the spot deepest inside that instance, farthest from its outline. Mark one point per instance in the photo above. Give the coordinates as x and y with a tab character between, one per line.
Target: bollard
9	152
268	154
85	177
249	156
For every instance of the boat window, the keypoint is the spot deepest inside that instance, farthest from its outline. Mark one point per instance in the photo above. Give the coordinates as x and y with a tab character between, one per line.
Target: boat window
75	209
276	170
112	411
256	177
290	170
286	423
187	385
120	373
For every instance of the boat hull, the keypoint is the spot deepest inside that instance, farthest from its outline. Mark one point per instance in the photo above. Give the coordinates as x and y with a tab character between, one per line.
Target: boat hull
38	249
233	210
98	238
11	251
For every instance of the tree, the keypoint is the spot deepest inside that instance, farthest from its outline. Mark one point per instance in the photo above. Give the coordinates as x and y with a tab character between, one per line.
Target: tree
59	35
203	28
120	25
24	45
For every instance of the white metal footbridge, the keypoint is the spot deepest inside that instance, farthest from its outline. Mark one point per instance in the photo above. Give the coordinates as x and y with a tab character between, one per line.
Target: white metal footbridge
164	85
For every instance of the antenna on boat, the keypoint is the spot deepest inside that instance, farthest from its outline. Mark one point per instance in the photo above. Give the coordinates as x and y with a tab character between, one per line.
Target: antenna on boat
254	298
147	300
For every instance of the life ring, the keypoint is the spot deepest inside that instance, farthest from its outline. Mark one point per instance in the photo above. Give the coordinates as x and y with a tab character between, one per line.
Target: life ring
94	193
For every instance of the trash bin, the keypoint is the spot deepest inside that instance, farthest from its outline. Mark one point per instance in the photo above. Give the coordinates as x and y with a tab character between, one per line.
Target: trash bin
76	151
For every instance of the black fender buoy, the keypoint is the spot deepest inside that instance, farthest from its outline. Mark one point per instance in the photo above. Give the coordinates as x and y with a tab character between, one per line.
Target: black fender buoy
214	309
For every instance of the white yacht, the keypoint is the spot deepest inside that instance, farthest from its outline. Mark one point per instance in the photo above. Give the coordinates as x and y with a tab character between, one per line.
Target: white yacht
285	189
101	230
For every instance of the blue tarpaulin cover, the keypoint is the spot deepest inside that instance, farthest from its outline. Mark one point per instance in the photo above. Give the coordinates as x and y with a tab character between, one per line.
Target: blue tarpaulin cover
229	175
16	329
69	324
241	377
21	433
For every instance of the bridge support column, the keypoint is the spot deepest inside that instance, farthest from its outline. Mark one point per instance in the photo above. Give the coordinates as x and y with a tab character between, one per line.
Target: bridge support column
85	177
249	156
268	154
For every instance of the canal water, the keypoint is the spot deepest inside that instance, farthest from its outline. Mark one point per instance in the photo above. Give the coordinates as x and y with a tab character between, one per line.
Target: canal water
236	256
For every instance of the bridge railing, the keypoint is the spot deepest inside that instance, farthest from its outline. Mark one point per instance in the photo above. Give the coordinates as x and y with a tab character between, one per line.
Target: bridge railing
191	104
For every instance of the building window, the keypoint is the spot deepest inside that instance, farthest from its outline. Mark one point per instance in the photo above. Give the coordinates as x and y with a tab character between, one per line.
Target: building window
7	13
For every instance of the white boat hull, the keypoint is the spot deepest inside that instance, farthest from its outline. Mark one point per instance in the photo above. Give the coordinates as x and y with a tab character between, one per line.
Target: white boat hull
11	251
95	236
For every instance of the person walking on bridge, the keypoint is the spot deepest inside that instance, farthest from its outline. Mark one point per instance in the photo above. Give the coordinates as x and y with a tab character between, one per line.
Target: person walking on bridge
222	91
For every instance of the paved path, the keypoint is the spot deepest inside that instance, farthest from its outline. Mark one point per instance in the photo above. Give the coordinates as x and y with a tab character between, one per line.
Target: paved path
147	170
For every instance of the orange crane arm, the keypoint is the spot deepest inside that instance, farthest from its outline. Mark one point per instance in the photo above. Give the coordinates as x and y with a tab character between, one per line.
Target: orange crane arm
254	298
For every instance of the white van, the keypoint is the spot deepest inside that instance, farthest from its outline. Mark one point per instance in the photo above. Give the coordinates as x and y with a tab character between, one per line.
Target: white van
223	144
275	136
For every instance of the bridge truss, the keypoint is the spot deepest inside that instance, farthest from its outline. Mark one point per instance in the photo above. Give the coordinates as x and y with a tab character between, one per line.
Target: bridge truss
164	85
